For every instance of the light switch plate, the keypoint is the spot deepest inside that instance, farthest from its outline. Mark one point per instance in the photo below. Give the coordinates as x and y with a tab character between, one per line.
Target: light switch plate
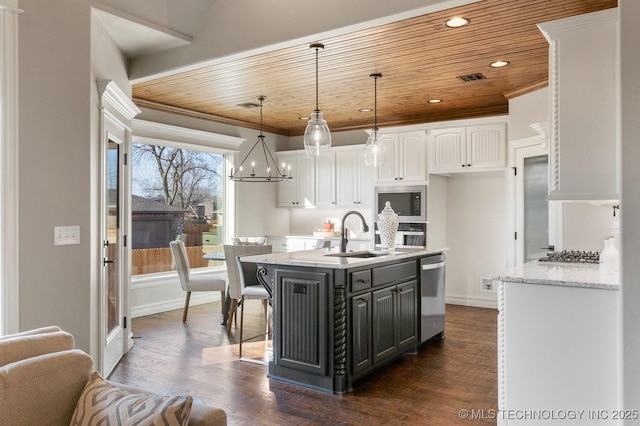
66	235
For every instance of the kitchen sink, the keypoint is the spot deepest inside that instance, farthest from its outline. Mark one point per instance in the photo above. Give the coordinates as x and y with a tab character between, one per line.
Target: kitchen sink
360	254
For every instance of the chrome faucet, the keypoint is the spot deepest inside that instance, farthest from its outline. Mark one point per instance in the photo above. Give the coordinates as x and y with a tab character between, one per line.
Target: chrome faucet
343	239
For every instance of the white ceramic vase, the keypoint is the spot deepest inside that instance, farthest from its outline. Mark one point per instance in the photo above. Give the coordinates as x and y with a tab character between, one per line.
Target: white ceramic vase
388	227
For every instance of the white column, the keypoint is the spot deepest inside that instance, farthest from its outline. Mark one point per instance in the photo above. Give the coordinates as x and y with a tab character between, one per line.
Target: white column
8	167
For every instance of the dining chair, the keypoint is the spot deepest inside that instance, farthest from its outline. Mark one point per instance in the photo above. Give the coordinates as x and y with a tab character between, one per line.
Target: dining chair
199	282
244	285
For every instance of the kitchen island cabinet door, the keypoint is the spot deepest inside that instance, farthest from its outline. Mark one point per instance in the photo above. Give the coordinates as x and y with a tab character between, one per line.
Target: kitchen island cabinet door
407	314
302	324
361	333
384	324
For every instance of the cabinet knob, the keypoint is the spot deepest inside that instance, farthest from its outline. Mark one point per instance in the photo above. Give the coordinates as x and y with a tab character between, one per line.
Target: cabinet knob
464	165
468	165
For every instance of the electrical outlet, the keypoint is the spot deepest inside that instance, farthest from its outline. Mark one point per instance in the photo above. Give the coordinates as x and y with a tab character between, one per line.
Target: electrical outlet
487	284
66	235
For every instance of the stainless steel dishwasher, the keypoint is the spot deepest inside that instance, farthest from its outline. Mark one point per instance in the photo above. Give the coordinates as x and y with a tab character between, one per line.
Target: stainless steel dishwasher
432	273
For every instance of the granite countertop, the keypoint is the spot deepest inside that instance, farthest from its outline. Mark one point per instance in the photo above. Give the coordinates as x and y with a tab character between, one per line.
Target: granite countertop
561	274
317	258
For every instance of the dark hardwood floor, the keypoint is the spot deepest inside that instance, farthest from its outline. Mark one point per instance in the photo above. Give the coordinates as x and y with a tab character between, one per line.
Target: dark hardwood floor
428	388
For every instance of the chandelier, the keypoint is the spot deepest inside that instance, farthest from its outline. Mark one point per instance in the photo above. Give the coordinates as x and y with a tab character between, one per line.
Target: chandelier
272	173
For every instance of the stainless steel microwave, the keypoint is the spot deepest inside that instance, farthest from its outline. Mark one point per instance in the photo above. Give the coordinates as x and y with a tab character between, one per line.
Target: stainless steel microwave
409	202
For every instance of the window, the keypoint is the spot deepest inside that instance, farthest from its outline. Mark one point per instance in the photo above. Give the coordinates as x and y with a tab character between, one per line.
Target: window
177	193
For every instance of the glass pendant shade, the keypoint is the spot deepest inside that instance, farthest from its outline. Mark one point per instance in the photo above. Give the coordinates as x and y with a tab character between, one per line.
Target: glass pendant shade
375	152
317	137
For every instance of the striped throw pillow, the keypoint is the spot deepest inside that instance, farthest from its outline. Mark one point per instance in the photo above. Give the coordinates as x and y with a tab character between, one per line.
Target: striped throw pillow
101	403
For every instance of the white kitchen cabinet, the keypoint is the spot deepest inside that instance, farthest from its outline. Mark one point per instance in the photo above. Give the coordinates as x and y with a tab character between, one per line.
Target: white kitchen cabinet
325	180
583	86
406	158
354	179
468	148
300	190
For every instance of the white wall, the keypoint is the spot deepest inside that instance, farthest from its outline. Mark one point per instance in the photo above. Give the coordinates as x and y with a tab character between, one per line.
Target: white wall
305	221
585	226
476	236
350	137
55	142
525	110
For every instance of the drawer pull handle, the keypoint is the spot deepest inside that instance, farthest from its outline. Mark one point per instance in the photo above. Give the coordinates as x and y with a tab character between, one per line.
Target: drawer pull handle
360	280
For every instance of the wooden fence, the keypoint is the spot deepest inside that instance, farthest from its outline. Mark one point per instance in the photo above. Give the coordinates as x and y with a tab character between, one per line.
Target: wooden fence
147	261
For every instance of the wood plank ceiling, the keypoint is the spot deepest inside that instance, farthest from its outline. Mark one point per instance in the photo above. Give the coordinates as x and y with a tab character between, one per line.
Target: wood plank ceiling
420	59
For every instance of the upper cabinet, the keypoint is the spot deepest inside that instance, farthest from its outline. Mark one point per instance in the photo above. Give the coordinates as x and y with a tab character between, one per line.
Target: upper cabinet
326	180
469	148
406	158
354	179
299	191
583	86
338	179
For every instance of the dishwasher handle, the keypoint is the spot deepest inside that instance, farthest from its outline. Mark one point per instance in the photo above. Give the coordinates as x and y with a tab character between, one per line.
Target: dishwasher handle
429	266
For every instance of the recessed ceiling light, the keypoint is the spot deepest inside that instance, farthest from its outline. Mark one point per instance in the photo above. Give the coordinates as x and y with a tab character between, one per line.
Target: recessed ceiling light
457	22
434	101
499	64
365	110
303	118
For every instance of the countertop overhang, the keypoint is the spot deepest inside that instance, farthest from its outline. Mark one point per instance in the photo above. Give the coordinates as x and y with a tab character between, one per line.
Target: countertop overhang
561	274
318	258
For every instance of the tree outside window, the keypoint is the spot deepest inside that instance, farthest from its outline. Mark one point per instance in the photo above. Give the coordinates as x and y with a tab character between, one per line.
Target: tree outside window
177	194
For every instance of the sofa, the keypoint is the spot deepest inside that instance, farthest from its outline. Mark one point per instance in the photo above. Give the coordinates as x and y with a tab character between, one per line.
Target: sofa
44	380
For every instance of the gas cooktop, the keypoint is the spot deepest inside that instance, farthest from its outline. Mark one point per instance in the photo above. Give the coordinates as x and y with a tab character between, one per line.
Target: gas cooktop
572	256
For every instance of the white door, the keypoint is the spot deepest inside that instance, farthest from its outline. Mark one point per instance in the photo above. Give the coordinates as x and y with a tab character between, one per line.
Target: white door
532	210
113	256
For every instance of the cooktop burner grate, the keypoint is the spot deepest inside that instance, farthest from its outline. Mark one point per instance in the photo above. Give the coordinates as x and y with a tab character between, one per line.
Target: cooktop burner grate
572	256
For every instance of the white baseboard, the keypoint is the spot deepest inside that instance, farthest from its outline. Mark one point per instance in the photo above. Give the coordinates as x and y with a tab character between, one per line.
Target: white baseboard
197	298
477	302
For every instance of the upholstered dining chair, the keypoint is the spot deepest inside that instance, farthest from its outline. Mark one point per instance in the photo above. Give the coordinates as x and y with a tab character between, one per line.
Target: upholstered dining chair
200	282
244	284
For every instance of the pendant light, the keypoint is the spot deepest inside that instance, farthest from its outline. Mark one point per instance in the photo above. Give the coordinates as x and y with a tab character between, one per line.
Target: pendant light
271	169
317	137
375	153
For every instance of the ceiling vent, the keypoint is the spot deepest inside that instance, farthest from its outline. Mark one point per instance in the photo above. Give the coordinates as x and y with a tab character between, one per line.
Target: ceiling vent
472	77
249	105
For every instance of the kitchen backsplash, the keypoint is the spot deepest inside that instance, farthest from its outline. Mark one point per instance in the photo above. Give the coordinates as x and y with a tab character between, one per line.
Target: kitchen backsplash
305	221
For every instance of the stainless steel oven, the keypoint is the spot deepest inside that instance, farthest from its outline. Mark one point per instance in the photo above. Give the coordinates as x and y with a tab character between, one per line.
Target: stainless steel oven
409	234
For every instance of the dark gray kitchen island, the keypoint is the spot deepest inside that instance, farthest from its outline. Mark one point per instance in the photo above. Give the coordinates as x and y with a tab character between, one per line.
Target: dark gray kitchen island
337	318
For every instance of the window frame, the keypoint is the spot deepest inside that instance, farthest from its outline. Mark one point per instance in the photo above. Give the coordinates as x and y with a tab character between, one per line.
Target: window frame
153	133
